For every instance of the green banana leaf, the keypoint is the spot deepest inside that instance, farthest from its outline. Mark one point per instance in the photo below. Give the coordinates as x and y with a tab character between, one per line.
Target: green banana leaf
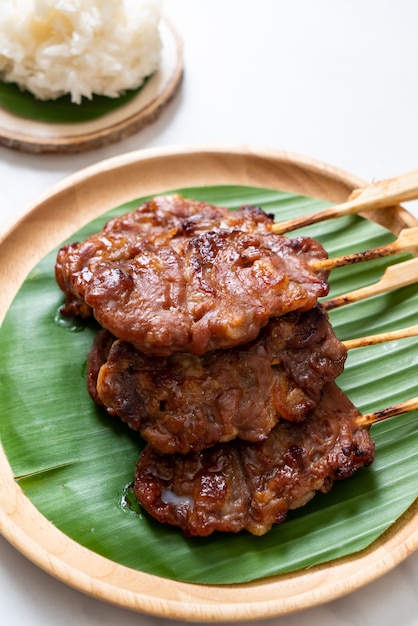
76	463
61	110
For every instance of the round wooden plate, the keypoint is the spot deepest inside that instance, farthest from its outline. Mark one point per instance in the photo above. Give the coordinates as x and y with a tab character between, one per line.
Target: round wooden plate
38	137
55	217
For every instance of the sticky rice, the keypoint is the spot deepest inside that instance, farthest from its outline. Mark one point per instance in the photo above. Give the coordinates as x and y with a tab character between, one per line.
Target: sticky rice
78	47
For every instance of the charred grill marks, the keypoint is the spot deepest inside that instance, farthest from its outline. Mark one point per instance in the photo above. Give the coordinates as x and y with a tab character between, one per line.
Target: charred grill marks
236	486
231	272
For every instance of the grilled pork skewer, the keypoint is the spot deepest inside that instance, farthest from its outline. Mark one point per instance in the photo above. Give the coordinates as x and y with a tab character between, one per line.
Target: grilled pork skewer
379	195
395	276
186	403
407	241
239	485
192	277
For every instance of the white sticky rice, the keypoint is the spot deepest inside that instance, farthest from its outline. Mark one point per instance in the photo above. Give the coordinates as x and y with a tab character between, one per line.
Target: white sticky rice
78	47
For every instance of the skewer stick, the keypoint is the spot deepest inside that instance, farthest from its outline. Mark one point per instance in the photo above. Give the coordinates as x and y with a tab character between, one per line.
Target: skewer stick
397	409
407	241
372	340
379	195
395	276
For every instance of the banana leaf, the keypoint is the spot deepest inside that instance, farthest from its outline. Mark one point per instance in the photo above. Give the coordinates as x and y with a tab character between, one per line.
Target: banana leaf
76	463
60	111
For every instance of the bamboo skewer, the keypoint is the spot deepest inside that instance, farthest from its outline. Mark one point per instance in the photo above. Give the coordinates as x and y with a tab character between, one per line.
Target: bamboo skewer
397	409
379	195
368	419
371	340
395	276
406	241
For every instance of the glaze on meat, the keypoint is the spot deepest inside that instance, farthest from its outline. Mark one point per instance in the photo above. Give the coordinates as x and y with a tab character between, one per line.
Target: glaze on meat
185	403
155	222
183	276
238	485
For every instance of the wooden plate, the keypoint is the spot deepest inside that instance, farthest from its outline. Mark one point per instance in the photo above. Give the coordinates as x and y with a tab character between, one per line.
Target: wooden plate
55	217
38	137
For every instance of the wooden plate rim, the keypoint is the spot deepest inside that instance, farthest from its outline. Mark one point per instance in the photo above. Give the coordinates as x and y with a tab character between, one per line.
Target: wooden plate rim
55	216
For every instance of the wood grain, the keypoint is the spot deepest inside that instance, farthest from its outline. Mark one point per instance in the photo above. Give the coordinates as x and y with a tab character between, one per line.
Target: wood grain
54	217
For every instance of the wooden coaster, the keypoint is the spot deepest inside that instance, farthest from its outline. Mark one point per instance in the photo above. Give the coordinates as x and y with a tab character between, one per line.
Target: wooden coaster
41	138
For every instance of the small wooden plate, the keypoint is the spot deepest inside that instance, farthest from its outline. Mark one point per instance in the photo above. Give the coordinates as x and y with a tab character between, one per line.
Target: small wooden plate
55	217
38	137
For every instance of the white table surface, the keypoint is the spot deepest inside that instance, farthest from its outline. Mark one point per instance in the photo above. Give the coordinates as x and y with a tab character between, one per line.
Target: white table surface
336	81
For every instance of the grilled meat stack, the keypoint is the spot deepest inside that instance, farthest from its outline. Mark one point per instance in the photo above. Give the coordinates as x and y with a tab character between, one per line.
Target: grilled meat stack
215	349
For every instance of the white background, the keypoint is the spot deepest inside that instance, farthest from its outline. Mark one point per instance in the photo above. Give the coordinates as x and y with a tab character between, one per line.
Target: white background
333	80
